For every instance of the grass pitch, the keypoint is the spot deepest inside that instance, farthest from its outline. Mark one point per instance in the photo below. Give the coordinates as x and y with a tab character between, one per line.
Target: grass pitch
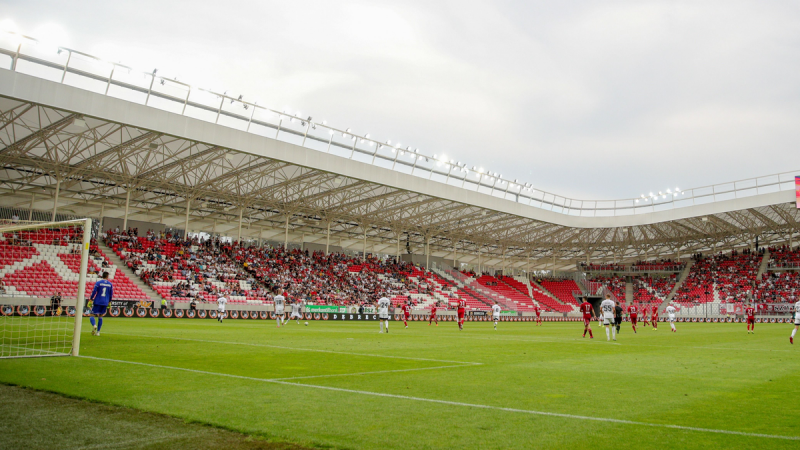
344	385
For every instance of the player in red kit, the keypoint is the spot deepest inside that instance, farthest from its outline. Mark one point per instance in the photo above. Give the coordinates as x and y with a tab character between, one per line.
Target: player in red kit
654	318
538	316
750	312
633	313
406	313
588	314
645	316
433	316
462	308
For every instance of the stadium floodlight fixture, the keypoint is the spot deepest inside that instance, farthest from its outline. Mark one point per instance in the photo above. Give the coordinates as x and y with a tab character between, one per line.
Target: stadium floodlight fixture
637	200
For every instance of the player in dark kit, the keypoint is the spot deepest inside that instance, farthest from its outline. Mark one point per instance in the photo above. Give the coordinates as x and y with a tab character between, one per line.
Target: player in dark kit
406	313
617	315
433	316
102	294
750	312
633	313
588	314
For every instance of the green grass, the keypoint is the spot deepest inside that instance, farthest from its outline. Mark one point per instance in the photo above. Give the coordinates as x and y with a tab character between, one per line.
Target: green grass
710	376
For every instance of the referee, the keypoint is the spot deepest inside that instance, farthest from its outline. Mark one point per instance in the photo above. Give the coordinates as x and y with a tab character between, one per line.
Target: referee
617	315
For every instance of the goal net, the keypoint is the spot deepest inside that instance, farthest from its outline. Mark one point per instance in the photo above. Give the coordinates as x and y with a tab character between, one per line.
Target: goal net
43	277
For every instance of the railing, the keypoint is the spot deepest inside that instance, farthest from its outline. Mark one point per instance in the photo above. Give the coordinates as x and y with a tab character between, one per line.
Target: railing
627	269
783	265
70	67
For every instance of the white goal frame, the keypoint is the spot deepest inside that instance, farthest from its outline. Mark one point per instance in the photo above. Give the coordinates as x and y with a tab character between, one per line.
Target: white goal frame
8	226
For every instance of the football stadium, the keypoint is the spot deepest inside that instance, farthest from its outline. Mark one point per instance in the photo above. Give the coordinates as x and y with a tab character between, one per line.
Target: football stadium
183	267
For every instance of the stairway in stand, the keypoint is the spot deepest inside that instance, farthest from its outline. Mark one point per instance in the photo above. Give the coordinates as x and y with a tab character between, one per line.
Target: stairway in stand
154	297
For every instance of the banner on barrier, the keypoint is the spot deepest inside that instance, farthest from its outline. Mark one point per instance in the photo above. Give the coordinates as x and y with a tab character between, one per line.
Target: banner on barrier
356	316
326	309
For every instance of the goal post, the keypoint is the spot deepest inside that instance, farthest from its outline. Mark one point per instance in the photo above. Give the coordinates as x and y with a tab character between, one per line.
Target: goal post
43	269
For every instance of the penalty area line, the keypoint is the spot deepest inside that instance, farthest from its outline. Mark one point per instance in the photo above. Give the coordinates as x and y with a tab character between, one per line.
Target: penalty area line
468	405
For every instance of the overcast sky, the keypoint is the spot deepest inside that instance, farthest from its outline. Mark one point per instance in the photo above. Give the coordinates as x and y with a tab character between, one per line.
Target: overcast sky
587	99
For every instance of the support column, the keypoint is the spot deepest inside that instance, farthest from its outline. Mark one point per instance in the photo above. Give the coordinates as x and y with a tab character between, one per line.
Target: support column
55	199
427	253
239	235
504	261
328	240
102	214
480	263
398	246
364	253
127	205
286	235
186	222
33	199
455	255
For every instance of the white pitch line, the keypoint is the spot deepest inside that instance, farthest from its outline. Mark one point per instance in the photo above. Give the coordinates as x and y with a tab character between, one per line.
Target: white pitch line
367	373
469	405
411	358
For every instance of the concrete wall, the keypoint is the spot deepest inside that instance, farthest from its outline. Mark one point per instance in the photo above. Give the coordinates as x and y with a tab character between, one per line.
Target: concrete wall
313	247
109	223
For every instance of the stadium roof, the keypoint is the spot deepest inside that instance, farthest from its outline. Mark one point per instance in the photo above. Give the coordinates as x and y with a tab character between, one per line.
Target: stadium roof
96	152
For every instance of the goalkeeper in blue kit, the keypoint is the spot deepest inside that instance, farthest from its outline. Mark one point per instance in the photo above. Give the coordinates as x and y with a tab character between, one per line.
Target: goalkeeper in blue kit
101	295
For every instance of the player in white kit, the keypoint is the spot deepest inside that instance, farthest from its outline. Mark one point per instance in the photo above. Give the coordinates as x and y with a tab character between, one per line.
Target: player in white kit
280	301
796	322
383	312
495	314
221	308
607	308
671	312
297	311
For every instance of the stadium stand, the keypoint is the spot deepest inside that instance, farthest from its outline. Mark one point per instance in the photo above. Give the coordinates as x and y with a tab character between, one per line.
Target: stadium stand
779	287
42	263
653	289
720	277
784	257
614	284
562	289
